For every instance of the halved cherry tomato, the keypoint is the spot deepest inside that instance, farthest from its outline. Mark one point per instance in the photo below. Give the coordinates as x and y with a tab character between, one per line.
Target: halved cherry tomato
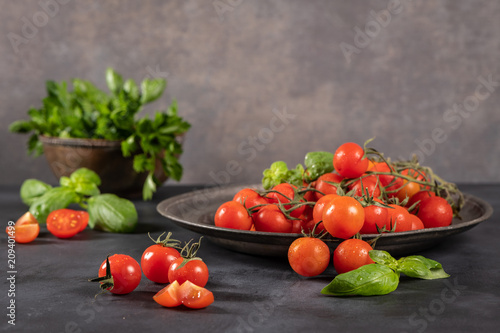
168	296
25	230
66	223
194	296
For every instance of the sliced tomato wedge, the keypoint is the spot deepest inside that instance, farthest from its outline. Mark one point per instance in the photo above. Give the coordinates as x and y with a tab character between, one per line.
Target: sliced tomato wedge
167	297
193	296
25	230
66	223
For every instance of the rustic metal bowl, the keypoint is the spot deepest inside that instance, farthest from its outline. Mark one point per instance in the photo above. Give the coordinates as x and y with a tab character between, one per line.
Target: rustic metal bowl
118	176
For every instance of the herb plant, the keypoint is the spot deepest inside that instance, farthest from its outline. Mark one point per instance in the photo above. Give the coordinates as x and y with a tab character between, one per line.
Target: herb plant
88	112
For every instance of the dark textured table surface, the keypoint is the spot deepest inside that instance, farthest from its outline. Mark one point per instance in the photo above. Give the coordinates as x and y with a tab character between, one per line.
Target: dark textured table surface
252	294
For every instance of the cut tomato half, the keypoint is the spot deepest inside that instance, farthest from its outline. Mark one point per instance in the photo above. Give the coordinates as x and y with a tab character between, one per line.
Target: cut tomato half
25	230
168	296
193	296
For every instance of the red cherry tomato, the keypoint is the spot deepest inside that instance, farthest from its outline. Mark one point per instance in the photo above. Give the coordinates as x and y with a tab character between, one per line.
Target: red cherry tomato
351	254
325	186
419	197
416	223
320	206
348	160
398	216
435	212
249	198
66	223
233	215
343	217
25	230
157	258
194	270
366	186
308	256
271	219
285	193
126	273
375	216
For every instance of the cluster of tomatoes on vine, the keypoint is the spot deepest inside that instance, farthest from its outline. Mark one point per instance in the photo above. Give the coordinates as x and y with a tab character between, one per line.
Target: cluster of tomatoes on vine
164	262
363	194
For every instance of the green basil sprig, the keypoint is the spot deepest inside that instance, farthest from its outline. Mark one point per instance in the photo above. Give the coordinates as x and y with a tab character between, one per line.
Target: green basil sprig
382	277
107	212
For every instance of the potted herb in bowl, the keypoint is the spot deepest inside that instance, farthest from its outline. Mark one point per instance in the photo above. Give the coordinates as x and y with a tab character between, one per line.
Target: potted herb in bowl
87	127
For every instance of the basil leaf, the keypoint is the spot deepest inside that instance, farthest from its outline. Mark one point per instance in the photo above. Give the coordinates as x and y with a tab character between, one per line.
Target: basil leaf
152	89
368	280
111	213
384	258
114	81
31	189
421	268
53	199
318	163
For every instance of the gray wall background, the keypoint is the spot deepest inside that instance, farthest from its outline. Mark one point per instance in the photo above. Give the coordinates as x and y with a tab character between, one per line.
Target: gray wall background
271	80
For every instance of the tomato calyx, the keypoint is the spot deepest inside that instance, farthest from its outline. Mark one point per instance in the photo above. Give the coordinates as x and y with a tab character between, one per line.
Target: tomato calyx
106	282
188	252
167	241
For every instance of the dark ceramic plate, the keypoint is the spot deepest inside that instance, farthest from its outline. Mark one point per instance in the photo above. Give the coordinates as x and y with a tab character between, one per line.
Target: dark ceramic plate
195	211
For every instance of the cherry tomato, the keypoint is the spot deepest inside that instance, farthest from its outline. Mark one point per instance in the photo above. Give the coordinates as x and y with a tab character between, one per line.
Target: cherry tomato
419	196
383	167
157	258
194	270
375	216
271	219
351	254
194	296
168	296
66	223
25	230
408	190
343	217
126	273
416	222
348	160
367	185
435	212
249	198
320	205
285	195
233	215
309	256
323	184
398	216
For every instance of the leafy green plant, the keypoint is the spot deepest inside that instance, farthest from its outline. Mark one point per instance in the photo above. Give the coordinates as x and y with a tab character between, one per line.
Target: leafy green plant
88	112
